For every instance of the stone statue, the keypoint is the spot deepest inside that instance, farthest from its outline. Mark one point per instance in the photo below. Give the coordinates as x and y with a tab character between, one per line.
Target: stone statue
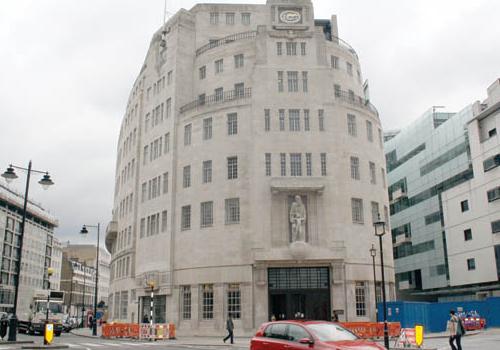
298	220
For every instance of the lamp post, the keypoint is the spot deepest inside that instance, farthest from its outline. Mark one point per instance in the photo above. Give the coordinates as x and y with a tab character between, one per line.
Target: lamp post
85	231
379	232
373	253
46	182
83	296
151	285
50	272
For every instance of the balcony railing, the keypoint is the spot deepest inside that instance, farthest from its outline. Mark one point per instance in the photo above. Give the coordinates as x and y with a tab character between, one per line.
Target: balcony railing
345	45
215	99
226	40
358	101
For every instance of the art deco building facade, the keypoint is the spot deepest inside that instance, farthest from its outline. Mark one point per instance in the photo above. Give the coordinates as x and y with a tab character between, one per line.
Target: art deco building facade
250	170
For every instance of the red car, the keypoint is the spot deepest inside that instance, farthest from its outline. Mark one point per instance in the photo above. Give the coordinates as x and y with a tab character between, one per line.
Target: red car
302	335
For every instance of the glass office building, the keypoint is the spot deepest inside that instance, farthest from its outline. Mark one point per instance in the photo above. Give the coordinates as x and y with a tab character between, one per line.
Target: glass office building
424	159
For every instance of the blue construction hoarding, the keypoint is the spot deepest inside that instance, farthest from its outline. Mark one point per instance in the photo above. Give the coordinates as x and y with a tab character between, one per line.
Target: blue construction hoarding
433	316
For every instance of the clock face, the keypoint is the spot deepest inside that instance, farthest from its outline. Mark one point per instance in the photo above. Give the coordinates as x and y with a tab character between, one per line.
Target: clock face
290	16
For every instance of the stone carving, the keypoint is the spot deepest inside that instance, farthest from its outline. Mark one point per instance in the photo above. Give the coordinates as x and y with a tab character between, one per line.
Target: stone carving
298	217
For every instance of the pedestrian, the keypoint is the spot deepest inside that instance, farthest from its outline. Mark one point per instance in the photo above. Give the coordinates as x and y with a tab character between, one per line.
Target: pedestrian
273	318
335	317
91	319
145	319
455	330
230	328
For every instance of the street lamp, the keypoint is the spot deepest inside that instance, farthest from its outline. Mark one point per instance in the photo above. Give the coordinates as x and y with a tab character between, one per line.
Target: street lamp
379	232
373	253
9	175
83	296
84	231
50	272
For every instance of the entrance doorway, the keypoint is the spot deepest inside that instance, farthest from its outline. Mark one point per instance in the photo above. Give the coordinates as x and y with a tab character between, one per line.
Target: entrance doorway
299	292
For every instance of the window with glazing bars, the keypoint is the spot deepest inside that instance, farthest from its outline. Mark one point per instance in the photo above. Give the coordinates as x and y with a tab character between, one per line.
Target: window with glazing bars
267	120
232	206
219	94
232	168
295	164
232	124
351	125
308	164
294	119
234	301
281	114
187	134
207	291
230	18
323	164
186	176
321	120
186	302
291	48
214	18
334	62
293	81
206	214
245	18
279	48
357	210
268	164
375	212
360	293
239	60
306	120
303	49
304	82
355	168
186	217
207	171
207	128
164	221
369	130
373	176
280	81
283	164
239	90
219	66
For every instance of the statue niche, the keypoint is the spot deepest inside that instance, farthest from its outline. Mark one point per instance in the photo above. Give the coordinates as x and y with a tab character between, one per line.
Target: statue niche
297	219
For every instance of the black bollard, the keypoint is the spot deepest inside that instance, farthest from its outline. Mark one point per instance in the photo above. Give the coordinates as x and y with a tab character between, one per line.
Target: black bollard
13	328
4	324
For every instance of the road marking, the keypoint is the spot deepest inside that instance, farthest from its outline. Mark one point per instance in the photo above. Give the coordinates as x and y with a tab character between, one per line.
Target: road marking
92	345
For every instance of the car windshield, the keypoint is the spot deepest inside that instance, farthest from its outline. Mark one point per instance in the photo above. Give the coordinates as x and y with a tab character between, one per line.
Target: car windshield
330	332
55	308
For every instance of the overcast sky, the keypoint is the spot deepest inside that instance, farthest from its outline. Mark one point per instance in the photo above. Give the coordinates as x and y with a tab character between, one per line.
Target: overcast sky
67	66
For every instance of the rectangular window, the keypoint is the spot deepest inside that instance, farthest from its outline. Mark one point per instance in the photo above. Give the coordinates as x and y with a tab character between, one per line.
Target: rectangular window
145	155
165	182
143	192
187	134
169	77
337	90
495	226
295	164
369	130
373	178
291	48
186	217
168	108
360	293
267	120
268	164
238	61
142	228
283	164
207	128
232	124
491	163
219	66
471	264
375	212
232	206
167	143
186	176
464	205
280	81
355	168
282	119
201	99
279	48
232	168
219	94
239	90
230	18
349	68
382	176
306	120
321	119
245	18
207	171
323	164
214	18
234	301
493	194
468	234
293	81
357	210
164	221
351	125
492	132
186	302
202	72
380	138
304	82
294	119
206	214
308	164
207	291
303	49
334	62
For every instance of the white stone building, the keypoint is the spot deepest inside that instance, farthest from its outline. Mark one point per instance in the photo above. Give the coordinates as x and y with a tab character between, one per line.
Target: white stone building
237	110
40	251
472	209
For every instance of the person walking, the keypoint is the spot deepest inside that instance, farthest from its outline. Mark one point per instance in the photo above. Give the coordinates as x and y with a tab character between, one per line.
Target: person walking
230	328
455	330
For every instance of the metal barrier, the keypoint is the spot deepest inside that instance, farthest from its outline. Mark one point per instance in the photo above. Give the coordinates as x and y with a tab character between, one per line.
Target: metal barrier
372	329
139	331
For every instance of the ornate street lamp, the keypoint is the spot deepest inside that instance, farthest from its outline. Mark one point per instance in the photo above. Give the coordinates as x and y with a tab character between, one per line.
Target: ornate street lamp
50	272
379	226
9	175
84	231
373	253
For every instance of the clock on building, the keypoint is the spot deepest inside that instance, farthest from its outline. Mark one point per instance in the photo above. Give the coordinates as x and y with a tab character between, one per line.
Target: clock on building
290	16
